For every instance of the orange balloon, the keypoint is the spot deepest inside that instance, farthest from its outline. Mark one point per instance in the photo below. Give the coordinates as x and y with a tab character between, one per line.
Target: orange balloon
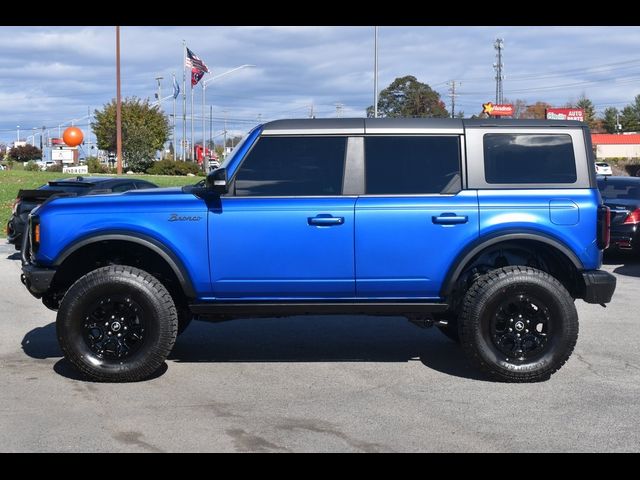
72	136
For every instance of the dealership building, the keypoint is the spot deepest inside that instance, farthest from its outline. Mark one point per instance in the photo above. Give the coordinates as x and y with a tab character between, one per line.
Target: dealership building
611	145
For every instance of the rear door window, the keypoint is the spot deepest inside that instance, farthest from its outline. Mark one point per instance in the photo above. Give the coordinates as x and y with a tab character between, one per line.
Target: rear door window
412	165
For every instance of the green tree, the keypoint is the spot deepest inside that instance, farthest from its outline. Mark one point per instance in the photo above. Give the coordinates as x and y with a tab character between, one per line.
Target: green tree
144	131
407	97
630	118
609	119
589	110
25	153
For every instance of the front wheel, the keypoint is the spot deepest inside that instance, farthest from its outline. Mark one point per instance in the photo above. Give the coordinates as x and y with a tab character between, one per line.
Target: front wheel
117	324
519	324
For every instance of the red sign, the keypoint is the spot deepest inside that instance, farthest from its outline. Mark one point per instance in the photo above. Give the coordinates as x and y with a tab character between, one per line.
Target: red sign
57	141
499	110
565	114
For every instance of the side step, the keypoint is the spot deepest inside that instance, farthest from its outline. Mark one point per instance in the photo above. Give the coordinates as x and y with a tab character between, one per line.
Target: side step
262	309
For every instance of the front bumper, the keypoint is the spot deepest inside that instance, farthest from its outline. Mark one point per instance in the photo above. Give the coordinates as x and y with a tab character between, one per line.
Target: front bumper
599	286
37	279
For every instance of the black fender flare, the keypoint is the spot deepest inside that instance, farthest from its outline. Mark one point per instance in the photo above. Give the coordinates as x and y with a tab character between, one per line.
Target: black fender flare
151	243
483	242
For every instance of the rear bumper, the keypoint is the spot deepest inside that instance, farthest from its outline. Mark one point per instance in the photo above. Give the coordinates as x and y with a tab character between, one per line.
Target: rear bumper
599	286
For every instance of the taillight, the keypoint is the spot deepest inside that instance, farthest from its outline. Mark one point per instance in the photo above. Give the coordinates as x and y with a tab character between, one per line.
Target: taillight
14	207
633	217
603	223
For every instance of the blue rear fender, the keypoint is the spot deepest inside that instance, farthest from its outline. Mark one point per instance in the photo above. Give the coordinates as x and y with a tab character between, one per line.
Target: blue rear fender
566	216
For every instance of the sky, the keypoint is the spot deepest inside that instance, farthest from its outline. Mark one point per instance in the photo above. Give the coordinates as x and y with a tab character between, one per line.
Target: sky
51	76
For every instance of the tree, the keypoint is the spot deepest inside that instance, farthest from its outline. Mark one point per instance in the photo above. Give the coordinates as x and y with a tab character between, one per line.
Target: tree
589	110
630	119
407	97
519	107
537	110
144	131
609	119
25	153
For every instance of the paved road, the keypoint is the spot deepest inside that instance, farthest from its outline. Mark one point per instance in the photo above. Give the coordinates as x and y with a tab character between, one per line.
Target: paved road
360	384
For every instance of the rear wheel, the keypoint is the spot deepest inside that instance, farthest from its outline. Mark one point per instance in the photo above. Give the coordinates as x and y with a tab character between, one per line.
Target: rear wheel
518	324
117	324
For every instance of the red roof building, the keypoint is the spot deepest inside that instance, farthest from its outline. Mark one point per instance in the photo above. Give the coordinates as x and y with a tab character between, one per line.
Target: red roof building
610	145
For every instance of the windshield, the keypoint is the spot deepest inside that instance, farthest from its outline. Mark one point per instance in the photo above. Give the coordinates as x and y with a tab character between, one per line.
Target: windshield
235	150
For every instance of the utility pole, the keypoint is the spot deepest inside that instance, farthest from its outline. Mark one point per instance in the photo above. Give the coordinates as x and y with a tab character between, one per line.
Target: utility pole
224	148
210	143
339	108
311	114
18	133
498	66
118	107
88	142
453	95
375	73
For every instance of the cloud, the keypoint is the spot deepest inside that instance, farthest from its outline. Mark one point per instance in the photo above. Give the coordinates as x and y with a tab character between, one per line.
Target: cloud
50	75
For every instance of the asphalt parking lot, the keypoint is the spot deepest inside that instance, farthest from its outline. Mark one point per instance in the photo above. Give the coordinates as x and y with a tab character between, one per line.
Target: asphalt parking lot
361	384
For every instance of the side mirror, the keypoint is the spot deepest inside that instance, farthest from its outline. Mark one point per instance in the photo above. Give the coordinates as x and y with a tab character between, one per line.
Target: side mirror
217	181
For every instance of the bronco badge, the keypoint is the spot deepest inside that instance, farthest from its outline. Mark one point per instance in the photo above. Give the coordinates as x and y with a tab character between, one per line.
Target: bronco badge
174	217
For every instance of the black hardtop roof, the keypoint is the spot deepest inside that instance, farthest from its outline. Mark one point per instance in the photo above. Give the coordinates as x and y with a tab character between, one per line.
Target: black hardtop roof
309	124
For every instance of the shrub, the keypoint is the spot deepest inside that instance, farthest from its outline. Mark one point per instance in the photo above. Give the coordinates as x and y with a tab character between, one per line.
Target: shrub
169	167
95	166
55	168
32	167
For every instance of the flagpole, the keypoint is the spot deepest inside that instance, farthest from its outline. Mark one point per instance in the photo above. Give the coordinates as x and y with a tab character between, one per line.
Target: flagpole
204	148
174	119
184	99
193	158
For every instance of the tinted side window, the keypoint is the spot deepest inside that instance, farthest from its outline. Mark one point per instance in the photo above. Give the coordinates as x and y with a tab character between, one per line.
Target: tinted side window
524	158
293	166
123	187
412	165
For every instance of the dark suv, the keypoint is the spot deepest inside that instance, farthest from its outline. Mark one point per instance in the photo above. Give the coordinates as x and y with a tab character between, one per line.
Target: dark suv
488	229
27	200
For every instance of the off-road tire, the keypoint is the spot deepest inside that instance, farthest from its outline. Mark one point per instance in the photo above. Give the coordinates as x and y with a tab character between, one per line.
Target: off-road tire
156	308
481	303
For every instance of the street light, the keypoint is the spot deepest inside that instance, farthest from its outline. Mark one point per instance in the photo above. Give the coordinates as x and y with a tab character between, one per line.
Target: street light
18	136
205	161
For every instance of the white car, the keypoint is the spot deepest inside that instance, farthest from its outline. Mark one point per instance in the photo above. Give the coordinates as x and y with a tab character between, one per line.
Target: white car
603	168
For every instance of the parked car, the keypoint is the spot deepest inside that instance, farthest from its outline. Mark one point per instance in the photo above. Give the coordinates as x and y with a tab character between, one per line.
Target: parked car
489	230
603	168
622	196
27	200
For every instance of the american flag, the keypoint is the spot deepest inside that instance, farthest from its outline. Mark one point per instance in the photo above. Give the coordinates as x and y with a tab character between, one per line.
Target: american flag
194	62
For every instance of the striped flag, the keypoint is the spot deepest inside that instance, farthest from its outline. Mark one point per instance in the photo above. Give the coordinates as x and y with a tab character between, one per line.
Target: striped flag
176	88
193	61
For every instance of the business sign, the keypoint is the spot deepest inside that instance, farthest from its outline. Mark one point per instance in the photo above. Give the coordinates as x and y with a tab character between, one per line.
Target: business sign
57	141
565	114
62	155
80	169
498	110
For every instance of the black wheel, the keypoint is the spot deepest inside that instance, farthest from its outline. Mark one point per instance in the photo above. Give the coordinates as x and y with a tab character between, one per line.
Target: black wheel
518	324
117	324
450	330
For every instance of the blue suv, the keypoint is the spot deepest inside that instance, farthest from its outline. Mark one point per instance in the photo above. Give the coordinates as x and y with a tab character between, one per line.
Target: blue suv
488	229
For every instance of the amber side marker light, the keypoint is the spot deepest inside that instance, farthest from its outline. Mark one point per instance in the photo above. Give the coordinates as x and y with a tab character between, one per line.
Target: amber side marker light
36	233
